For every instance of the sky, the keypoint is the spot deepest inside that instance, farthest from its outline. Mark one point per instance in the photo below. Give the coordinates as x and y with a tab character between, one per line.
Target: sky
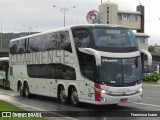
40	15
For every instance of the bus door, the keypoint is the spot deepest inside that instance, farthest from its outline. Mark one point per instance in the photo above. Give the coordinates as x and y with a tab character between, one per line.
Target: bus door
90	75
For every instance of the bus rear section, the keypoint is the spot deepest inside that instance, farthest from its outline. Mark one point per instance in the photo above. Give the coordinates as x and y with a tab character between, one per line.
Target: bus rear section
4	69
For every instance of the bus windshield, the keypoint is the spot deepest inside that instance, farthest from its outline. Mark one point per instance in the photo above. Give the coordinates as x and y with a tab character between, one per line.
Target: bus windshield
119	71
114	37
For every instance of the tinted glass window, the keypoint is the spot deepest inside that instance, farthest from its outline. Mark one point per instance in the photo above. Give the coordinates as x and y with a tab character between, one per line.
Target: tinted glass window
21	46
81	38
64	41
114	37
68	73
58	41
120	72
87	65
32	44
50	41
40	43
13	47
51	71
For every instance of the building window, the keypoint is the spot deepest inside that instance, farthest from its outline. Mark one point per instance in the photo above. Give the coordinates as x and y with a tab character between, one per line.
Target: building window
142	40
128	17
124	17
132	17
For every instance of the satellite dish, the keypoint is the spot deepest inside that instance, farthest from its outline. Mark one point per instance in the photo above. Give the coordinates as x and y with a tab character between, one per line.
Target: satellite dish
93	17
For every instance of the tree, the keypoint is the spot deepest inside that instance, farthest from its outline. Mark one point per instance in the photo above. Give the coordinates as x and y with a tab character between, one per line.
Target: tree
151	48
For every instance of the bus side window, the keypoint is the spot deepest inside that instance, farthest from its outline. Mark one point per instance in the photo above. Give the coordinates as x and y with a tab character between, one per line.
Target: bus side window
81	38
13	47
21	46
51	71
50	42
68	73
0	65
40	43
58	41
65	43
31	46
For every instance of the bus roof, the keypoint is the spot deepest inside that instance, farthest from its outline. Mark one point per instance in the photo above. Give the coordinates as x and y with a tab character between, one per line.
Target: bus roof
4	59
68	28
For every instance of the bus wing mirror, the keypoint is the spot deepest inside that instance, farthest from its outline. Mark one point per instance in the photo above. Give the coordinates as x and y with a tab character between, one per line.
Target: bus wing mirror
149	56
92	52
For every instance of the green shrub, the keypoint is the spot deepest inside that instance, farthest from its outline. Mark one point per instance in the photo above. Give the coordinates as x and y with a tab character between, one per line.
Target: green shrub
151	77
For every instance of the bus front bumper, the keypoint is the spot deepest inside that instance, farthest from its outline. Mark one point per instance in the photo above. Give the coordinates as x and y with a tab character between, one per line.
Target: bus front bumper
107	99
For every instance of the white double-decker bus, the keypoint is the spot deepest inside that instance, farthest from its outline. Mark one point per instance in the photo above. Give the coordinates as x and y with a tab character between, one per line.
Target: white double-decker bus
98	64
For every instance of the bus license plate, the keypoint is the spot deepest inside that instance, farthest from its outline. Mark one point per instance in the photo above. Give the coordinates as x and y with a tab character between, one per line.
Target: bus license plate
123	100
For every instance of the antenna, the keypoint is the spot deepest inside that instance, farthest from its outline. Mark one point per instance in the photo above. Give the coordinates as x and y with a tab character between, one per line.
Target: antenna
139	2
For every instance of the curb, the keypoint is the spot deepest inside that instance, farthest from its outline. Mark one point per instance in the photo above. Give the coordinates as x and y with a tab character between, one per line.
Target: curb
154	85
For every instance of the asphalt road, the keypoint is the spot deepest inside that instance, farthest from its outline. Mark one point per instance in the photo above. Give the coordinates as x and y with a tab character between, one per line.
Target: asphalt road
150	104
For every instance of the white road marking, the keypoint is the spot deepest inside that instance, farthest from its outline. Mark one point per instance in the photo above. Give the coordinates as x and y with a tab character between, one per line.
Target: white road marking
152	105
22	104
151	92
151	98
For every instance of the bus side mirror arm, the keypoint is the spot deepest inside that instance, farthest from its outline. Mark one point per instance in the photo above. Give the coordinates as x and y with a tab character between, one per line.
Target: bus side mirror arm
149	56
92	52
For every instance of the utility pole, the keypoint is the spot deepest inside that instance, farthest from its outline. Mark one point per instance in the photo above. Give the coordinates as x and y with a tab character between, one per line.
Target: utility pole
14	28
1	35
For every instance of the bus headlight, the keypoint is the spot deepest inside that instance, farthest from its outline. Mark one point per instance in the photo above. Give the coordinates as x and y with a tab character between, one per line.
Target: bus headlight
103	91
140	90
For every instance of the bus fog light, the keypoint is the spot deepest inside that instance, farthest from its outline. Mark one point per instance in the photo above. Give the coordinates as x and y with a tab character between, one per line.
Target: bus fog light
103	99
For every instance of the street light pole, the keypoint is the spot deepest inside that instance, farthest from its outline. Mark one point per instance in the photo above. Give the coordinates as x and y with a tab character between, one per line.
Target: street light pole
64	18
30	28
64	10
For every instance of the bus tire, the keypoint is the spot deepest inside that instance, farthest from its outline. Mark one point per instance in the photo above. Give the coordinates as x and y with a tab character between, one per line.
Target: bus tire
21	91
4	84
62	95
26	90
74	97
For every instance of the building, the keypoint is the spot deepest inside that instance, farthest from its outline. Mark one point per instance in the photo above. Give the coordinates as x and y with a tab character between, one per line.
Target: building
142	40
109	14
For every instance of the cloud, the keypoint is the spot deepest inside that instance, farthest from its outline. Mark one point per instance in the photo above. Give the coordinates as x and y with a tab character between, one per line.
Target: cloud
41	13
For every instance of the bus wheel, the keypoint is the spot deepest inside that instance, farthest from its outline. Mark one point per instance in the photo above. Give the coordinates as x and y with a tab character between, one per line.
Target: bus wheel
4	84
62	95
21	92
74	97
26	90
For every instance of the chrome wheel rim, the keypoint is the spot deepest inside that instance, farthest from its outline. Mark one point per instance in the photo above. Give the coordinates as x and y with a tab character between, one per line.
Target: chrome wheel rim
75	97
62	96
